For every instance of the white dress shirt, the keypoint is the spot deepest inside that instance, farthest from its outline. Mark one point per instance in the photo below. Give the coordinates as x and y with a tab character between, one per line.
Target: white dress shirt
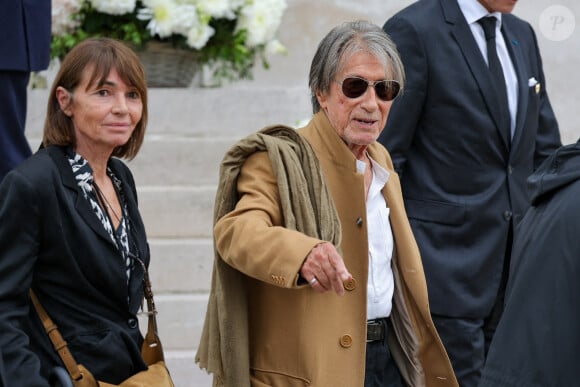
380	285
473	11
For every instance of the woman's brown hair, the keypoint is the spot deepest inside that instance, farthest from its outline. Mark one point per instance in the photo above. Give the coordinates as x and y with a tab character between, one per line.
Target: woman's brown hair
100	55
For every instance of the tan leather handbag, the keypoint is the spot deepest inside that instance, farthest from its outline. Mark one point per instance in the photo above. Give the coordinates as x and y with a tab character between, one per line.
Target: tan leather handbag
157	375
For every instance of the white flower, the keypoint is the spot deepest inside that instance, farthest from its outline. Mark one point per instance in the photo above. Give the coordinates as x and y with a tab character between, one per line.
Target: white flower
275	47
114	7
237	4
185	18
218	8
184	22
162	15
261	19
64	16
199	35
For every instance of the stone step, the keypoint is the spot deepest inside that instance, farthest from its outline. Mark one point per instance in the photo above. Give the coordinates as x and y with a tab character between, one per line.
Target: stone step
179	160
184	371
181	266
177	212
181	275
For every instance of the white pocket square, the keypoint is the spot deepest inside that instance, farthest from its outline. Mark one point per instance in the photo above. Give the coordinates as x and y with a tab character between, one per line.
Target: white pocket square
532	82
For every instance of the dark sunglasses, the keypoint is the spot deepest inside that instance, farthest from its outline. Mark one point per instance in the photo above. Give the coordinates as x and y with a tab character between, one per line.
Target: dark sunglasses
354	87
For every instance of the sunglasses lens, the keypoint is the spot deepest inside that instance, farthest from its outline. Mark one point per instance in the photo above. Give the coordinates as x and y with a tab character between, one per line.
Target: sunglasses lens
387	90
354	87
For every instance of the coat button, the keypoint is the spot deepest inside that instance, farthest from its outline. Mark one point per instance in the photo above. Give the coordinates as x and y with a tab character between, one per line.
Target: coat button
359	221
349	284
132	323
507	215
345	341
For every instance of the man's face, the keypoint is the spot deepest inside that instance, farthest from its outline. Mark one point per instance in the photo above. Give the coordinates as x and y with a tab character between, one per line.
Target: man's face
358	121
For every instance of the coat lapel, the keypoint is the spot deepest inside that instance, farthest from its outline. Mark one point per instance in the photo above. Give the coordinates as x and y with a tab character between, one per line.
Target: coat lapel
518	60
83	207
463	36
138	237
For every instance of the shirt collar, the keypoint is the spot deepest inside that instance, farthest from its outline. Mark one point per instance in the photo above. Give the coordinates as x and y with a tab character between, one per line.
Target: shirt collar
473	11
380	173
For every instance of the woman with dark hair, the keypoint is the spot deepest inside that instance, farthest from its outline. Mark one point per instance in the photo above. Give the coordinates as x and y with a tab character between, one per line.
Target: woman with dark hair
70	228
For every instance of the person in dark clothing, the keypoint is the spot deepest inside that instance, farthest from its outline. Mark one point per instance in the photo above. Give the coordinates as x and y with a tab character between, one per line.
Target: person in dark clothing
463	154
70	226
537	342
25	47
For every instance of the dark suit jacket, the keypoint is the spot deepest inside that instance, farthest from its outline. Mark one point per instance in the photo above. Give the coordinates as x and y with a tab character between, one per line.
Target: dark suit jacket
464	187
25	34
52	241
24	47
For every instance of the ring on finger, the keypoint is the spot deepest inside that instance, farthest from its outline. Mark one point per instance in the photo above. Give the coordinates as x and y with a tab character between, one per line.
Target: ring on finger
313	281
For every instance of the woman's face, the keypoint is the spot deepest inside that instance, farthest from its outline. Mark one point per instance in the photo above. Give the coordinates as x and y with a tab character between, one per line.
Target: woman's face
103	117
358	121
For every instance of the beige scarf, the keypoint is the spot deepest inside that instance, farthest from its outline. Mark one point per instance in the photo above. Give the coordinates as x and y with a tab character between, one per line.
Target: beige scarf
307	207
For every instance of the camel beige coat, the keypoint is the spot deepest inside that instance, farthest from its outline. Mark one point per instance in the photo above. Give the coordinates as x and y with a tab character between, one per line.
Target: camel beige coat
298	337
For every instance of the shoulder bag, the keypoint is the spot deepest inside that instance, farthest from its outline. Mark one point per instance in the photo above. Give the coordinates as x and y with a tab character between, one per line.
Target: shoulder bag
157	375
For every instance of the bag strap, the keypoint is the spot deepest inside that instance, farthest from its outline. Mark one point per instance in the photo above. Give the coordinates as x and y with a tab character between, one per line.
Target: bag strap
151	350
58	342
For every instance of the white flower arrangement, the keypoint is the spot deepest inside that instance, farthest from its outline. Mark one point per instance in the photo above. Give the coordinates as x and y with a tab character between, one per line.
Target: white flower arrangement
228	34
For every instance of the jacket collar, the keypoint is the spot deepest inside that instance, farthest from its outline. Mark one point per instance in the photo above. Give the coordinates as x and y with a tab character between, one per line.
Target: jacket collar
327	143
59	156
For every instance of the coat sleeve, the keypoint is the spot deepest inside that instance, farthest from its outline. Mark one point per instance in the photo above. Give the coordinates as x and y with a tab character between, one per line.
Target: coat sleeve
406	110
19	219
252	237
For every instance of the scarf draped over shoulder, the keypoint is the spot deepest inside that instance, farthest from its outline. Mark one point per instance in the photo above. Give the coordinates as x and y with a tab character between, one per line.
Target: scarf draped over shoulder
306	205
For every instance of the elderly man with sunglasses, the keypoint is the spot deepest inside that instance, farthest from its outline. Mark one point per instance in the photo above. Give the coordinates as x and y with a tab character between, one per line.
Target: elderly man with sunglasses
317	278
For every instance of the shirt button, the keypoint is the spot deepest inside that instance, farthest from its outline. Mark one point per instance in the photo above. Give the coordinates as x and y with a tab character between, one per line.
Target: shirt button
359	221
345	341
510	170
507	215
132	323
349	284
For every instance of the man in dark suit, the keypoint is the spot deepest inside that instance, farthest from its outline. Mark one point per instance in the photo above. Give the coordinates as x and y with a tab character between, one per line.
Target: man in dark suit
24	47
464	155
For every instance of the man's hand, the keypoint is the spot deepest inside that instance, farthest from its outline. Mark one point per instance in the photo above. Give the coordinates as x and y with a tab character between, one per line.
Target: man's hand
324	269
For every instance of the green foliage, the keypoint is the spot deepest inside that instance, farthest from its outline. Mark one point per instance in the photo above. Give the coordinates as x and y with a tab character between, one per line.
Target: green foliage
229	52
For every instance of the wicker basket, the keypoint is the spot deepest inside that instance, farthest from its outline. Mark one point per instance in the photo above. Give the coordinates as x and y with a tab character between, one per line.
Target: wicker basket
166	66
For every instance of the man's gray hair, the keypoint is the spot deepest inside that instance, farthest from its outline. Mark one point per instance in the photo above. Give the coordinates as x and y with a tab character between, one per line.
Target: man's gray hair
341	43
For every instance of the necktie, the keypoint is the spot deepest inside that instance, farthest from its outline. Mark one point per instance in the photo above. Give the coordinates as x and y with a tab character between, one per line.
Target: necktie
488	24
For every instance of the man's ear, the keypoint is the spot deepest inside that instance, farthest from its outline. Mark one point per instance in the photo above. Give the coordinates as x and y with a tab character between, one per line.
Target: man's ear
64	98
322	98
